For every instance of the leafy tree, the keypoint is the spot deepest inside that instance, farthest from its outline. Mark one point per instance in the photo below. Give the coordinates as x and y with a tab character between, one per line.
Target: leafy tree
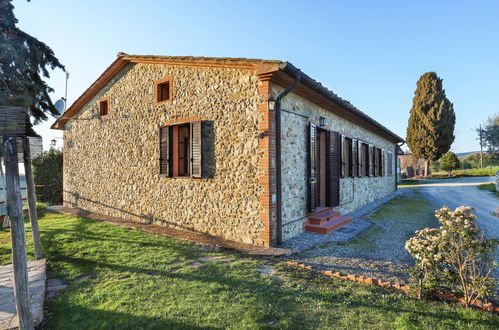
24	62
449	162
47	171
430	131
491	135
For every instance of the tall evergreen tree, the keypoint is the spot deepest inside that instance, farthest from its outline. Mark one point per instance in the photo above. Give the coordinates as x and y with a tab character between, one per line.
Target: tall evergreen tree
24	62
430	131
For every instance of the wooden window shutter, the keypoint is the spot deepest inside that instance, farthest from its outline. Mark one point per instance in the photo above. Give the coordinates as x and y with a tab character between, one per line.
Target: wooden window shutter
312	167
355	160
390	163
343	159
196	154
369	160
164	150
380	162
334	164
362	158
383	160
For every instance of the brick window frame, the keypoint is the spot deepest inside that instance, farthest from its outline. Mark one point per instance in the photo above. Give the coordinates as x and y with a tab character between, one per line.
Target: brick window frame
159	95
103	105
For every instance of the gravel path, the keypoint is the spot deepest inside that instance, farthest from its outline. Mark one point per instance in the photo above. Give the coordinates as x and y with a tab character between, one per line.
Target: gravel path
379	252
464	191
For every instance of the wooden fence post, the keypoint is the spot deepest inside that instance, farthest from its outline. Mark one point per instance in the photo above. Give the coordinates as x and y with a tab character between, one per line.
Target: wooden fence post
17	234
30	185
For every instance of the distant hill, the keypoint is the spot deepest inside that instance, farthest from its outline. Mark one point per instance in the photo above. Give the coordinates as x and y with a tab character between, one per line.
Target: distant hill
463	154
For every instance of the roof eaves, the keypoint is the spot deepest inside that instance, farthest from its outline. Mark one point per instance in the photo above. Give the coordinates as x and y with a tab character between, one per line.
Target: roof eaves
319	88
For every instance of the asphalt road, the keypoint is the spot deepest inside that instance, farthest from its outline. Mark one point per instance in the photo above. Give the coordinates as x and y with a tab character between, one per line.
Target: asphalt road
465	192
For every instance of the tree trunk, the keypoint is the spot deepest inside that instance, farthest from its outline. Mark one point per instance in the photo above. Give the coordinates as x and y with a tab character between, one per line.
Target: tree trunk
426	167
17	234
30	184
481	148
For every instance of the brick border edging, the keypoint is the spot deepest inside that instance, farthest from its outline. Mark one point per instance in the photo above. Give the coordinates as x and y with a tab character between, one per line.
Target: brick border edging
406	289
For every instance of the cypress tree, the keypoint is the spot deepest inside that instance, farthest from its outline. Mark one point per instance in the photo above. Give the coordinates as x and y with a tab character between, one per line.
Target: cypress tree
430	130
24	60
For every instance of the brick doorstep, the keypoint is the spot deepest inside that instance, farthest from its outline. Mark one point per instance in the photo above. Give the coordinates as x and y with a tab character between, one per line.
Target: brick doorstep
175	233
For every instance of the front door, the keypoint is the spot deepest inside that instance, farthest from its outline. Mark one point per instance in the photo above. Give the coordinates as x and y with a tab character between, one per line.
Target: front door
324	165
321	168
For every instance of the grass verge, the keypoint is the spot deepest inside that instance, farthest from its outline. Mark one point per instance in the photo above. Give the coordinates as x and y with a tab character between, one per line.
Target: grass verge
395	222
410	182
123	278
466	173
489	187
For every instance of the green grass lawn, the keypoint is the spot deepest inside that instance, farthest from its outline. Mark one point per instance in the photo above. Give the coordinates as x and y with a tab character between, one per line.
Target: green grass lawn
410	182
466	173
490	187
138	280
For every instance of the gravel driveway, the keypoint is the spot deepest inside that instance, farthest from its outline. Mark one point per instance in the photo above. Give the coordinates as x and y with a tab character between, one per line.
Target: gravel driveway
379	251
464	191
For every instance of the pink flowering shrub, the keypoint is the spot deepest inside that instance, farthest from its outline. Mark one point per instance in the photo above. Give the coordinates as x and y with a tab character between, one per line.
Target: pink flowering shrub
453	258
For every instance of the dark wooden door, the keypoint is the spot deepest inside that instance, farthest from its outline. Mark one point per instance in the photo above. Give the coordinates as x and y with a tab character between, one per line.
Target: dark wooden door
334	168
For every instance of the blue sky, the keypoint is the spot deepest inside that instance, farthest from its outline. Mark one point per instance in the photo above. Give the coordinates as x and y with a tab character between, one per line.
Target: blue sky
368	52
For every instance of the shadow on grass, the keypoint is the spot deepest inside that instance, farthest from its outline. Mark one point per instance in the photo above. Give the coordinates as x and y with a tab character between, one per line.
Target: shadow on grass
106	319
295	301
268	294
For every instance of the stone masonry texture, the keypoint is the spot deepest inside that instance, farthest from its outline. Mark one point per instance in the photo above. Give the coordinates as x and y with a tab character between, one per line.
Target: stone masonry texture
354	192
111	164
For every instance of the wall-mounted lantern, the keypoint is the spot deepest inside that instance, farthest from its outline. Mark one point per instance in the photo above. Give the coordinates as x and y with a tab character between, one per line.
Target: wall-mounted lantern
271	104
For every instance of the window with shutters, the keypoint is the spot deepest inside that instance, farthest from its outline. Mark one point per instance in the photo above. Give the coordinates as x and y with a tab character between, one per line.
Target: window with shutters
103	106
379	162
364	156
180	150
389	163
371	162
163	90
347	156
355	158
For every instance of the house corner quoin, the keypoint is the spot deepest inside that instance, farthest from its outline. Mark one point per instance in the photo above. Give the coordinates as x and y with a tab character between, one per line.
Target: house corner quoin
267	164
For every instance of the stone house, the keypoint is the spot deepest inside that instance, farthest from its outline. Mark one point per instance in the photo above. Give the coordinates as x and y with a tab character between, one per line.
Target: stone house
410	166
252	151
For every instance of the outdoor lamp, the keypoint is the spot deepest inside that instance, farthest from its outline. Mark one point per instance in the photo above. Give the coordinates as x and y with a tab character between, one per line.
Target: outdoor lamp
271	103
53	142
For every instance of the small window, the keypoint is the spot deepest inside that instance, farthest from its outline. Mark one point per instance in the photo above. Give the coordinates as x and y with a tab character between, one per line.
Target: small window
163	90
104	106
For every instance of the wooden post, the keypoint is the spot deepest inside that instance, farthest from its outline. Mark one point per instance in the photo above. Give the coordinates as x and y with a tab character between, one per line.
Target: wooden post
30	185
17	234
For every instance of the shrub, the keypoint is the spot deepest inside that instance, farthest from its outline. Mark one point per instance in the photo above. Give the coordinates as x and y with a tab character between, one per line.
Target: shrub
453	258
41	208
449	162
47	171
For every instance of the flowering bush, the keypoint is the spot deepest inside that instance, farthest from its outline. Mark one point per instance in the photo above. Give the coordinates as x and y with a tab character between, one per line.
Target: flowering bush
454	257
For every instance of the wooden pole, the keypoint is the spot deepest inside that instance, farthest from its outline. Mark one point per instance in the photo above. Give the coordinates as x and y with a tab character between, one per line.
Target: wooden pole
30	184
17	234
481	147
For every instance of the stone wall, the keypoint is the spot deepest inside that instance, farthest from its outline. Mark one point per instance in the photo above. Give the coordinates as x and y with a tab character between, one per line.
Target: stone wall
111	163
497	180
354	192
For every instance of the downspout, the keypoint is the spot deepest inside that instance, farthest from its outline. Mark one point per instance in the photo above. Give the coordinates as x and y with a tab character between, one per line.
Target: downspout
278	99
397	146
